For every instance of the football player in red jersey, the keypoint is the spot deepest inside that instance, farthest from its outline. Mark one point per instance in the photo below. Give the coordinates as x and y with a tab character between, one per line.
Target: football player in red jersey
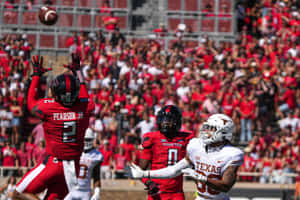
65	118
164	148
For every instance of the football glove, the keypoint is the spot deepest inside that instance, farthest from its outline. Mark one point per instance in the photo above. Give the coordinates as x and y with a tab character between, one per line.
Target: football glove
37	63
194	175
152	187
96	195
75	65
134	171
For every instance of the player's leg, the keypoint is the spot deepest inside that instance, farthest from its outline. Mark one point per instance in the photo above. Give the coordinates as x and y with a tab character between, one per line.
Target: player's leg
65	181
32	183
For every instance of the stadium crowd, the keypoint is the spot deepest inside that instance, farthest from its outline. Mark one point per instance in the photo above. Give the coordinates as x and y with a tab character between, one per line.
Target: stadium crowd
254	80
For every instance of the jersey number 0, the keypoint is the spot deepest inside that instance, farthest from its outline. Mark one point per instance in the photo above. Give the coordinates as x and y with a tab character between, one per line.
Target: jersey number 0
172	156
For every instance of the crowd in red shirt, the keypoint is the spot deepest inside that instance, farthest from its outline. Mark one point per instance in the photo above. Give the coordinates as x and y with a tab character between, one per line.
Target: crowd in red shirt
254	80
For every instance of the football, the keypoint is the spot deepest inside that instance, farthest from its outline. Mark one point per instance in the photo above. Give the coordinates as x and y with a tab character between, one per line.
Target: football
48	15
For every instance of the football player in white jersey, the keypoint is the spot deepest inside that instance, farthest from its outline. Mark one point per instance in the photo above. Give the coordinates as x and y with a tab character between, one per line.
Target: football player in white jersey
90	162
211	160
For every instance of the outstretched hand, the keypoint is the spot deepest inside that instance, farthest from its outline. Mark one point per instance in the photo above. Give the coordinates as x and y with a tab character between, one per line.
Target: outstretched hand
194	175
75	65
134	171
37	63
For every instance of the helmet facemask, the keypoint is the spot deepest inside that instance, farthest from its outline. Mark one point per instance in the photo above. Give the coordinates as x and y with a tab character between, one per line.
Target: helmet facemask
168	125
88	140
169	120
88	144
218	128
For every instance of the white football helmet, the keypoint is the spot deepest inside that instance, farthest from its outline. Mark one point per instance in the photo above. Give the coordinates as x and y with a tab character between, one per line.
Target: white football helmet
88	139
217	128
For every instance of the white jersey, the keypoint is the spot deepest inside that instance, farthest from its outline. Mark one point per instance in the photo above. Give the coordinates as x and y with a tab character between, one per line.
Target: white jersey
87	163
212	163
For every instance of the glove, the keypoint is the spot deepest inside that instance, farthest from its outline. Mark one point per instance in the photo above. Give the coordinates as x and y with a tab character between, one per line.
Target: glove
75	64
37	64
134	171
152	187
96	195
194	175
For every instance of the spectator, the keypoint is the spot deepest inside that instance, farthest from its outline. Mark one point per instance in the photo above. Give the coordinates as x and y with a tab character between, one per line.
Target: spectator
247	111
8	188
110	22
107	161
146	125
16	110
39	153
6	116
38	134
23	159
289	99
120	162
30	146
266	168
9	158
117	38
128	148
161	31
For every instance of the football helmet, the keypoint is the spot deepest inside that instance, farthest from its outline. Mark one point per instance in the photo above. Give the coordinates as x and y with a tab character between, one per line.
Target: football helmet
169	120
217	128
65	89
88	139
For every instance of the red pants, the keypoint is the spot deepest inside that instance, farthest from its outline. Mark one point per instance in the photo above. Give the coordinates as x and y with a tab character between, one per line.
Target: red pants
167	196
55	175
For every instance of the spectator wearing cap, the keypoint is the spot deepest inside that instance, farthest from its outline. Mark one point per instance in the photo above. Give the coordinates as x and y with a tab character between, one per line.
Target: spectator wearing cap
107	160
248	165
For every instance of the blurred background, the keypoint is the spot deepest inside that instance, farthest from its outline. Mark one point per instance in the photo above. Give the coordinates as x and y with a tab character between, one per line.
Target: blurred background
237	57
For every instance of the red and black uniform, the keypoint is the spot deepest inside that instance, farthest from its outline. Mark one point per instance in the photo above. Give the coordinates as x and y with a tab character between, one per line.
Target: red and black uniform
64	132
163	152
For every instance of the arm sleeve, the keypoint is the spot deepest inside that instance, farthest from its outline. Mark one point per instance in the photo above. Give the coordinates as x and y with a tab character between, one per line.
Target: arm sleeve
32	97
169	172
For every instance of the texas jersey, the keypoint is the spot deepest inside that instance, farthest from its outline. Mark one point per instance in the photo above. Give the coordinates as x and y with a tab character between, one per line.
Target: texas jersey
64	126
87	163
212	163
164	152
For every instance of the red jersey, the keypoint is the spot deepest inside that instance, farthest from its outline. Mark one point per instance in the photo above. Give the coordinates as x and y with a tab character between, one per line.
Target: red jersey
64	126
163	152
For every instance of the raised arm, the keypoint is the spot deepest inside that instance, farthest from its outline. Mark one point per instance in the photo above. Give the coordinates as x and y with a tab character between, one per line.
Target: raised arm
32	96
75	67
